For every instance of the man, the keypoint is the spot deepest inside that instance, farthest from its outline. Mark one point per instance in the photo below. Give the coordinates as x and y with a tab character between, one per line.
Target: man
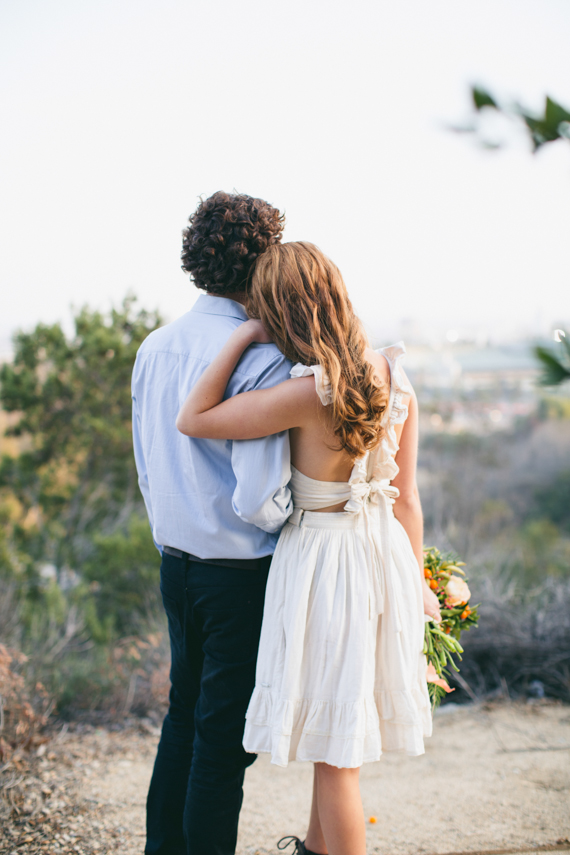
215	509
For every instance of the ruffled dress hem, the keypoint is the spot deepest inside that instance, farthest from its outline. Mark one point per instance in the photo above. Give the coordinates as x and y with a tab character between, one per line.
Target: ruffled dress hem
345	735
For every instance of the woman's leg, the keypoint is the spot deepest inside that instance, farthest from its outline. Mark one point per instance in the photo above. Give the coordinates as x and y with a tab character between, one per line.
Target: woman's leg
315	841
339	810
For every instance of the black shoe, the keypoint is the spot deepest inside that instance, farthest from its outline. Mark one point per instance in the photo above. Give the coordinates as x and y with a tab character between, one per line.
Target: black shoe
300	848
299	845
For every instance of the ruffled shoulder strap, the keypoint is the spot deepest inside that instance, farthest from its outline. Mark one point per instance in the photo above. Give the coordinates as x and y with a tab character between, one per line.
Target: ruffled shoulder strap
322	384
399	388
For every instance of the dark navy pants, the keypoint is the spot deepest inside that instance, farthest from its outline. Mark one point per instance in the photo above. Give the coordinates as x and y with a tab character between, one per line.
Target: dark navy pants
214	620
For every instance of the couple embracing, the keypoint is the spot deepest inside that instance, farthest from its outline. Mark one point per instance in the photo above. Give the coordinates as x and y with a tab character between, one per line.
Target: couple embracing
276	454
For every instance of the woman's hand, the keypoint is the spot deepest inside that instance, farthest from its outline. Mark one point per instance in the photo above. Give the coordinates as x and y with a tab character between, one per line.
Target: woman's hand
209	390
431	603
253	331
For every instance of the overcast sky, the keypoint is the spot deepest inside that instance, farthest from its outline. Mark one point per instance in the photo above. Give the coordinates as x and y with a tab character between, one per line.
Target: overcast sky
118	114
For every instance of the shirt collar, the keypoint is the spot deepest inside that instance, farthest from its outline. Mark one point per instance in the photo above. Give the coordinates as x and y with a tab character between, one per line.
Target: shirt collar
207	304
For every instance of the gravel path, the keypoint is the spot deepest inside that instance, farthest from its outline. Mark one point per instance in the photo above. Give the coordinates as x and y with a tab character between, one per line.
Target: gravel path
493	777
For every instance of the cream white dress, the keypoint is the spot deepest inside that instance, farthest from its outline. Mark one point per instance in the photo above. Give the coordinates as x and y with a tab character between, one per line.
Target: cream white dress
341	676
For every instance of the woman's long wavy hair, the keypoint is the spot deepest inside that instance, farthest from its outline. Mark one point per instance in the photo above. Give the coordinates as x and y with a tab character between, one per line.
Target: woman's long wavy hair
301	299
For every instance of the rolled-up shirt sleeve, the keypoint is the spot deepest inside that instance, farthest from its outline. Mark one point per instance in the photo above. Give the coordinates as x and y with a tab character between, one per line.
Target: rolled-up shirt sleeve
262	467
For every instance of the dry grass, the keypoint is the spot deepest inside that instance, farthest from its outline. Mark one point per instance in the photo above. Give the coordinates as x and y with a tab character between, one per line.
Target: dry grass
522	645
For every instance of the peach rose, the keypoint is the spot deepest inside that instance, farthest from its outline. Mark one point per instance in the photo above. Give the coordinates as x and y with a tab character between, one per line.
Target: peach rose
457	591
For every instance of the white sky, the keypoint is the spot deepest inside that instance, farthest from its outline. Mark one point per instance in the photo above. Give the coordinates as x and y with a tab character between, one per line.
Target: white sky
117	114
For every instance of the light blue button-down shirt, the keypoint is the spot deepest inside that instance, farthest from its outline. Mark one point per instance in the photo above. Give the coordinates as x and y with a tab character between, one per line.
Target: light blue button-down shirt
212	498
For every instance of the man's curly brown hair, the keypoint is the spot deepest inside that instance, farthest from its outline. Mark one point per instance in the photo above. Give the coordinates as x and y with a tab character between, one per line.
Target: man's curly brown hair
227	233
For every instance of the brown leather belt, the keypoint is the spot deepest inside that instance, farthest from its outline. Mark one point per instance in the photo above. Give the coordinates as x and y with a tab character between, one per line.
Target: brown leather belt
237	563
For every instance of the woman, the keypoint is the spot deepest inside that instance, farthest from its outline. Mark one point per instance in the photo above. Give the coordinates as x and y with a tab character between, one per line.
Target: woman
341	675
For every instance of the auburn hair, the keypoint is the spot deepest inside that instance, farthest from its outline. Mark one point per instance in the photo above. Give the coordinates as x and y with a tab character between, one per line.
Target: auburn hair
300	297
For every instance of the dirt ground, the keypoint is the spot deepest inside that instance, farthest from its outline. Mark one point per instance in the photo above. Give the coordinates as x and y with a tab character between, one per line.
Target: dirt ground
493	777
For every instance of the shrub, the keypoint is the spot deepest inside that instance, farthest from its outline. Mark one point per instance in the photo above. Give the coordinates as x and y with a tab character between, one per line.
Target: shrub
23	711
123	572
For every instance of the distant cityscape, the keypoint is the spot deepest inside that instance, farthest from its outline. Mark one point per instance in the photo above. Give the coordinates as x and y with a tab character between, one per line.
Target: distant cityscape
471	381
465	387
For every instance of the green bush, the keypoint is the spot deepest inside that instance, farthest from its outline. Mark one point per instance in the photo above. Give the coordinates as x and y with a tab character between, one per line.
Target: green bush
78	567
553	501
123	572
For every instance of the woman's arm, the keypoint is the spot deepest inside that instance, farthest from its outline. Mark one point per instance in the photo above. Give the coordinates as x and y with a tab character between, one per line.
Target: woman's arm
249	415
407	507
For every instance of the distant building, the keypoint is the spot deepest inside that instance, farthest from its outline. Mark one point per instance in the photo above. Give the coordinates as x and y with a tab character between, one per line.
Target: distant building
465	388
469	368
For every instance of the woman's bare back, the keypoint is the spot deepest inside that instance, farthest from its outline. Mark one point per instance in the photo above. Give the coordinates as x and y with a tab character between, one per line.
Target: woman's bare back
314	447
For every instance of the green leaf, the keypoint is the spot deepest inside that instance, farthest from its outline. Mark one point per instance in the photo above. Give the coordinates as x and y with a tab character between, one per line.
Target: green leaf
547	128
554	371
538	130
554	114
481	98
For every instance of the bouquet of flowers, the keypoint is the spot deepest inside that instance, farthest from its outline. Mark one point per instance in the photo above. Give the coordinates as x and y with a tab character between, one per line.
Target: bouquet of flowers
448	581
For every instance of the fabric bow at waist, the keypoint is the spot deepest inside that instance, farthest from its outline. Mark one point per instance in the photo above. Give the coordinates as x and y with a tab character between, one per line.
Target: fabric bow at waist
374	499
